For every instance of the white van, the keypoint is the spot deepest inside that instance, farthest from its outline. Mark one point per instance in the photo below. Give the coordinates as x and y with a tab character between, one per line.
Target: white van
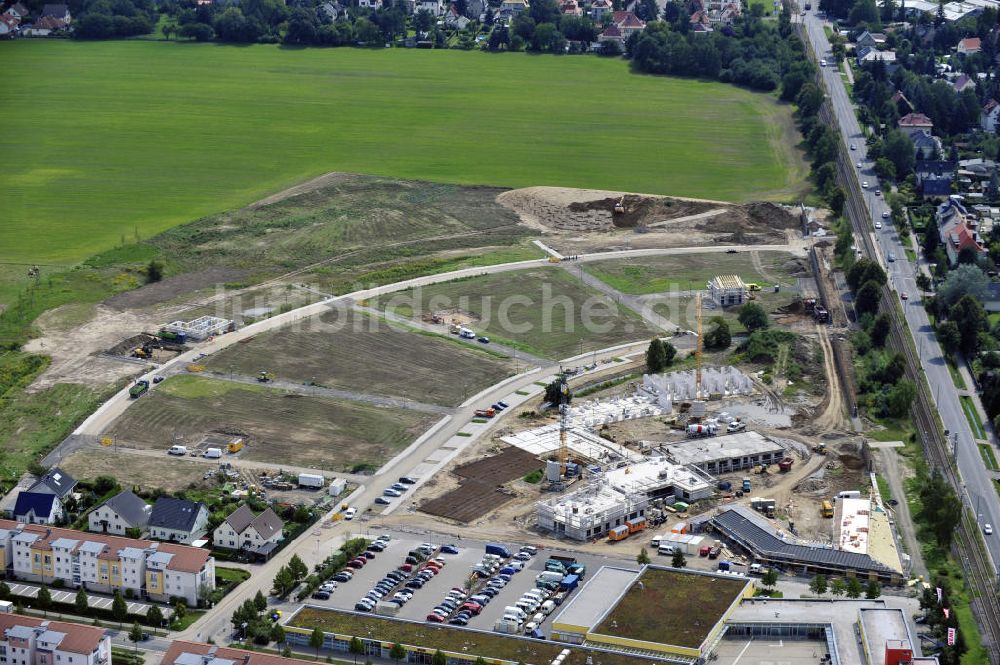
667	550
212	453
655	542
536	594
548	607
515	611
350	513
177	450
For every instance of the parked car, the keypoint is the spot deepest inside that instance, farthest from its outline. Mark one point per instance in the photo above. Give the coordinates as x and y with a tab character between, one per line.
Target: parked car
382	501
435	618
449	549
484	340
406	480
321	595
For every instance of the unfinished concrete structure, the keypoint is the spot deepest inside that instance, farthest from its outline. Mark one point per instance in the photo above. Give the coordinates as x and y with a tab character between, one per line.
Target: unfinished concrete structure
723	454
727	290
716	383
201	328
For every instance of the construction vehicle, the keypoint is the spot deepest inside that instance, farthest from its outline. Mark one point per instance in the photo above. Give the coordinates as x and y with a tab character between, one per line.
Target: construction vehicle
700	429
620	206
821	314
820	448
264	376
145	351
752	286
485	413
554	259
454	329
785	465
826	509
138	389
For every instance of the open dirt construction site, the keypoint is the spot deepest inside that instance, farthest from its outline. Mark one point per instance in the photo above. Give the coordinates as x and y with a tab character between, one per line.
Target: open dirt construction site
377	378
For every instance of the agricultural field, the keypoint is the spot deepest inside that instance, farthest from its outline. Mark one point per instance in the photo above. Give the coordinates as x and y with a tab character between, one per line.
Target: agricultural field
352	351
162	133
282	428
543	311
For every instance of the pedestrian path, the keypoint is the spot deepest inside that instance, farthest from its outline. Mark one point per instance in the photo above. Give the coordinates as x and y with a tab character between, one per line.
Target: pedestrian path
30	591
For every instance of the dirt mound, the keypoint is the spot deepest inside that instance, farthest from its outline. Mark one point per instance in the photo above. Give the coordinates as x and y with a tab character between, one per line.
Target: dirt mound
763	213
641	210
851	462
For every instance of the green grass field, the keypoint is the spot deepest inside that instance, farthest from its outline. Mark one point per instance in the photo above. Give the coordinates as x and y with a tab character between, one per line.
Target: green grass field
127	138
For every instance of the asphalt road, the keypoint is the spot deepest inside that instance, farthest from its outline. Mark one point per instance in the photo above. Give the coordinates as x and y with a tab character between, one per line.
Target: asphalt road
979	493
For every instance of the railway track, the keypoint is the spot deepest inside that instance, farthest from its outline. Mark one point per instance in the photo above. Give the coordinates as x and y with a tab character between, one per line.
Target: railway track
967	547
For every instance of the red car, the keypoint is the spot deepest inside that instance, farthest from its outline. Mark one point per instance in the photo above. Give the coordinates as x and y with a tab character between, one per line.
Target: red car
475	608
435	618
407	568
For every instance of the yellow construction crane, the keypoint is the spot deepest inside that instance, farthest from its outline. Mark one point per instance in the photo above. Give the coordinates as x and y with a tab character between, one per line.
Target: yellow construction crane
697	349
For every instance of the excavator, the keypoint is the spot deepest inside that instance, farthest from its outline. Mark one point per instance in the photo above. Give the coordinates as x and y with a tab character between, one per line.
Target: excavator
263	376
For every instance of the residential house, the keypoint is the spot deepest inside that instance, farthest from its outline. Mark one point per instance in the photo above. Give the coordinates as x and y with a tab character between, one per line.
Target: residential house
701	23
59	12
177	520
454	19
435	7
611	34
926	146
195	653
256	534
477	8
870	40
31	640
962	83
989	116
571	8
628	23
868	54
960	238
18	11
599	9
105	563
8	25
727	15
37	508
969	45
934	178
512	8
726	290
370	4
903	105
329	11
54	481
916	123
120	513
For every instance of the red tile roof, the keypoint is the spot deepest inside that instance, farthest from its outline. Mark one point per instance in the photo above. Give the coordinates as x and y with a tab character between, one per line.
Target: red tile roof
990	105
971	44
915	120
79	638
179	647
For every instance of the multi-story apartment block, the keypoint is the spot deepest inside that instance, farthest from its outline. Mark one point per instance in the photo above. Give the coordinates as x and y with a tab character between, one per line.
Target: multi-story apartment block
32	641
104	563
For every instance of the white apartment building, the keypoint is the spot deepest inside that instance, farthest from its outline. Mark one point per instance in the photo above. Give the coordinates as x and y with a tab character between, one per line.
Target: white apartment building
32	641
103	563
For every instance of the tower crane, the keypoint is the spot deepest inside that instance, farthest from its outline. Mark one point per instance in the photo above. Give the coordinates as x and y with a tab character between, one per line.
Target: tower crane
563	424
697	349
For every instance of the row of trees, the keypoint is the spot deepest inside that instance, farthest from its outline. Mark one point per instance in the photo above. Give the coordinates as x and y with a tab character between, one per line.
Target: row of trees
850	587
289	576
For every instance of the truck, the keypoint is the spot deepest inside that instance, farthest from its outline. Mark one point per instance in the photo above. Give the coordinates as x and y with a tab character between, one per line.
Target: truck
311	480
498	550
725	486
715	552
826	509
171	336
485	413
570	564
549	576
466	333
746	484
702	429
140	387
785	465
569	583
618	533
555	566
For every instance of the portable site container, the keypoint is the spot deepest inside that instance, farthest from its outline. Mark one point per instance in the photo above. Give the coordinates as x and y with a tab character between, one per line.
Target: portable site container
618	533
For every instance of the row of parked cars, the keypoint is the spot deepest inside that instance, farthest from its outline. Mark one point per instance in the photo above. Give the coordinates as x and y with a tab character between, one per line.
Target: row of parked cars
415	571
347	574
395	490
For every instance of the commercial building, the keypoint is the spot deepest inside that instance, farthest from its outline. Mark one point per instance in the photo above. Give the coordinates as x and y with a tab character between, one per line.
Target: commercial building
864	528
723	454
727	290
104	563
31	641
618	495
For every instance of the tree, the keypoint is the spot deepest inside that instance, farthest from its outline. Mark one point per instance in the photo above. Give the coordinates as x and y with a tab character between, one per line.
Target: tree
553	393
867	299
4	591
135	635
879	330
962	281
656	356
900	398
753	317
439	658
818	585
316	641
865	270
154	616
154	271
643	558
873	590
678	560
200	32
356	648
669	352
719	337
82	603
284	581
260	602
885	169
770	578
397	652
853	587
970	317
44	599
898	148
949	336
119	608
837	587
277	633
297	567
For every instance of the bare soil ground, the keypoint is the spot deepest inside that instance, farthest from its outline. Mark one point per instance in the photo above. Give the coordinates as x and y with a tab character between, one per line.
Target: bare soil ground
351	351
171	287
168	473
297	430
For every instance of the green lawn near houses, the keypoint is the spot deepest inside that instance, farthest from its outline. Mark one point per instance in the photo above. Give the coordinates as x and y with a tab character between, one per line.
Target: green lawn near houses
127	138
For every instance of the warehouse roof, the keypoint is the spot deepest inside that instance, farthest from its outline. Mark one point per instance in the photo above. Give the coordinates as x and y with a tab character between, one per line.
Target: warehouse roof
735	524
592	601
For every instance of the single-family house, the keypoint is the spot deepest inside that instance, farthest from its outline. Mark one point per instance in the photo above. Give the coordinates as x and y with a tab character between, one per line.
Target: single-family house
726	290
435	7
611	34
870	40
454	19
18	11
177	520
370	4
628	23
37	508
962	238
571	8
989	116
869	54
476	8
120	513
599	9
916	123
255	534
935	184
57	11
962	83
512	8
54	481
8	25
969	45
329	11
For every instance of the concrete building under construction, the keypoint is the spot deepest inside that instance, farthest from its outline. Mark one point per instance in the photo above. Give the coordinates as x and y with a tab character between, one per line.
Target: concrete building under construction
618	495
723	454
716	383
201	328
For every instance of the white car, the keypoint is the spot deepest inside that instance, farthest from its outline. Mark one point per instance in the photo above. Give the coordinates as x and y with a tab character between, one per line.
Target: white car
988	529
858	165
350	513
885	215
854	147
878	224
865	184
822	63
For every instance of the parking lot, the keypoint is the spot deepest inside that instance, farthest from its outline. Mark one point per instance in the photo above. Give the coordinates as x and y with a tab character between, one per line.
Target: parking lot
63	596
457	569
